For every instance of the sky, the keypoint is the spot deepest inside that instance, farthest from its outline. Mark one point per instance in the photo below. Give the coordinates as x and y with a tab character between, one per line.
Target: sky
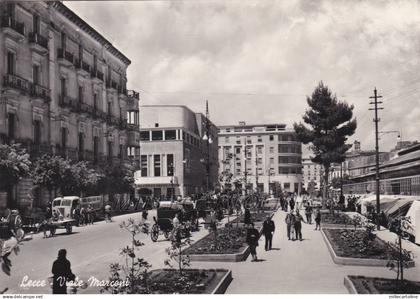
257	61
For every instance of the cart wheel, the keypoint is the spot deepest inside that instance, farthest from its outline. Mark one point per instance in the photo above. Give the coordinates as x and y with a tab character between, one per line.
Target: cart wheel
154	233
52	231
69	228
167	234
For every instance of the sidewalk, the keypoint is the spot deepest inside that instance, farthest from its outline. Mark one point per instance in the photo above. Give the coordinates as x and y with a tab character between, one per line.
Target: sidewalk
295	267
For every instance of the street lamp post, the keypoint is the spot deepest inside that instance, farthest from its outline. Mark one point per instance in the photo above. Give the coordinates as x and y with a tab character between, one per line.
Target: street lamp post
269	183
246	171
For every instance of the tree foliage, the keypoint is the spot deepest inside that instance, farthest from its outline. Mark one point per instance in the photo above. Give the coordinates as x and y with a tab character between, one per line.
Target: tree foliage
327	125
117	179
14	164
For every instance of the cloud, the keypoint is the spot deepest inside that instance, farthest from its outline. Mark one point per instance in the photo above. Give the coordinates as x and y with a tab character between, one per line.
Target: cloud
257	60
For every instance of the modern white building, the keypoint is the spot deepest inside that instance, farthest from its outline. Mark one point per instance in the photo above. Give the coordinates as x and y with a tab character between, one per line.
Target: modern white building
262	155
178	152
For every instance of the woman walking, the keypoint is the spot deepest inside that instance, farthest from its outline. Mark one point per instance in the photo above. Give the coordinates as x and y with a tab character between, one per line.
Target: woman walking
252	237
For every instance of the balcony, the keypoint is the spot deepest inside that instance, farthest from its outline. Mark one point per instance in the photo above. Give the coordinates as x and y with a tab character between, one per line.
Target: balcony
123	125
133	100
38	43
66	102
133	94
133	139
13	28
65	58
85	108
82	67
112	121
111	85
40	92
97	76
133	127
16	83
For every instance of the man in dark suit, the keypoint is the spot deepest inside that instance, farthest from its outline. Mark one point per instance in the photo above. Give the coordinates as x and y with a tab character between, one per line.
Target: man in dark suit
268	231
62	273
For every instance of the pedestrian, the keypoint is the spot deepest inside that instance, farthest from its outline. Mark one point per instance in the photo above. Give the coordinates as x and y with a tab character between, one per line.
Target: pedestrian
290	222
91	214
286	204
318	219
76	214
108	213
268	231
252	237
292	203
247	217
308	212
61	271
84	215
298	225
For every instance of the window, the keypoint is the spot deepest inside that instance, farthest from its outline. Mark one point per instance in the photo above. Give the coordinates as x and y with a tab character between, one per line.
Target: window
238	150
228	130
95	101
143	165
95	148
36	23
156	159
121	153
259	139
109	108
226	139
81	142
80	53
63	41
156	125
170	135
259	150
63	87
283	170
131	151
170	164
11	10
248	139
80	93
144	135
37	132
95	63
287	186
11	63
35	74
12	124
271	149
110	150
271	137
63	138
157	135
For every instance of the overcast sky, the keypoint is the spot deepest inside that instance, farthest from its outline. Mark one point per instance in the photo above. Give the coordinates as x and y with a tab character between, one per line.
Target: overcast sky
257	61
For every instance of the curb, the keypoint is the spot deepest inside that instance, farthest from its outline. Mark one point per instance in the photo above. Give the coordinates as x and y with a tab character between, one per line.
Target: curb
233	257
349	261
349	285
223	284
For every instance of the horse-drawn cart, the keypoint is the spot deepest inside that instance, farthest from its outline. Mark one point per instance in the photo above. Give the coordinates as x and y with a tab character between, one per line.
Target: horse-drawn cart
166	212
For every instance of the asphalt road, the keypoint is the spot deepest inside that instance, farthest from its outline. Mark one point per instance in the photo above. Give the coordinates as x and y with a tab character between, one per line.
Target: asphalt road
90	249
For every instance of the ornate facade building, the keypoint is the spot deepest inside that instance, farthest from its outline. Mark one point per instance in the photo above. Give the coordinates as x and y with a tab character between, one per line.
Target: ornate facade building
64	89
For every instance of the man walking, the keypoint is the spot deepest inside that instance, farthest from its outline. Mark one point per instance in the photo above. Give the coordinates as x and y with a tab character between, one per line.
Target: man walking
318	219
308	212
298	225
252	237
61	270
290	222
268	231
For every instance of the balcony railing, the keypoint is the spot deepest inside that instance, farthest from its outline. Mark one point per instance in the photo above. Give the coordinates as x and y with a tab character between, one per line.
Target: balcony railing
37	38
133	94
133	127
65	101
61	54
80	64
16	82
40	91
9	22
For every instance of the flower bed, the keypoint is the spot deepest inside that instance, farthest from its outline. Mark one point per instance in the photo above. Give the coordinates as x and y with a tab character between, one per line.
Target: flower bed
229	241
375	285
350	243
336	218
193	281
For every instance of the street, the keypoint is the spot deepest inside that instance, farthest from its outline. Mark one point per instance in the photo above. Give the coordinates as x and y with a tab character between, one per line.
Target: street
90	249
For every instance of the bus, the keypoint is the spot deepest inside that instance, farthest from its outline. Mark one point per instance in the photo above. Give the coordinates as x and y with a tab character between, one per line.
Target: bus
65	205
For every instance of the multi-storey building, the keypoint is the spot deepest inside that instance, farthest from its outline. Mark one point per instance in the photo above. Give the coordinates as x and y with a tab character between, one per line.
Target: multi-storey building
63	89
261	155
311	174
178	152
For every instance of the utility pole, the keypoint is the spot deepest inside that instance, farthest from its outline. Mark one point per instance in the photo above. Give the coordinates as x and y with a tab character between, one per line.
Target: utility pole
376	120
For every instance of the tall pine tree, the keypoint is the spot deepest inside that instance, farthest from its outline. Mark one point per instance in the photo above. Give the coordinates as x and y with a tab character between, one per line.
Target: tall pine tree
330	124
